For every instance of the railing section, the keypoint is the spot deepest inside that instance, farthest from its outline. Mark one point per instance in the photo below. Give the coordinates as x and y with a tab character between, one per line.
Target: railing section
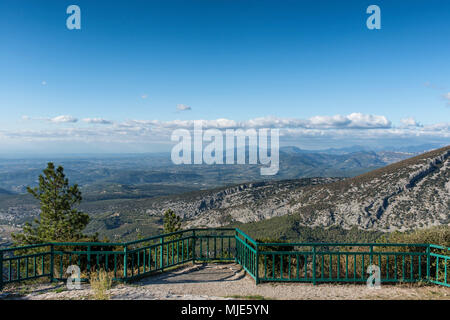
287	262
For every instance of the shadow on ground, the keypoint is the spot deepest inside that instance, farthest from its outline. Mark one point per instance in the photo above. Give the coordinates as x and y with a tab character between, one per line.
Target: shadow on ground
198	274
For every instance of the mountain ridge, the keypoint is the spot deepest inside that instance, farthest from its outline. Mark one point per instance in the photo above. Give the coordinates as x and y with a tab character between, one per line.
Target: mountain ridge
409	194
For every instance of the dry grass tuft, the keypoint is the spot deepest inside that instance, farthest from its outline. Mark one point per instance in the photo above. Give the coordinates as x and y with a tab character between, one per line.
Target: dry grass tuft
101	282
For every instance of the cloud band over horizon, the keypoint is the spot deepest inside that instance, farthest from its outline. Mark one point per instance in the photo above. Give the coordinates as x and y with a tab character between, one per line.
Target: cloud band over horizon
321	130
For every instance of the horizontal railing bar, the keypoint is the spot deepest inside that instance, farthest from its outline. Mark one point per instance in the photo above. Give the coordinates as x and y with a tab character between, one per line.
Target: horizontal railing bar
159	244
439	255
88	244
31	255
325	279
374	253
212	229
239	231
294	244
435	246
165	235
214	236
288	252
29	278
31	246
112	243
177	232
88	252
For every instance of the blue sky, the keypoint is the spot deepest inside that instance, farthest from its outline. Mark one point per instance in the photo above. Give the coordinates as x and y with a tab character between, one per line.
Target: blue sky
135	64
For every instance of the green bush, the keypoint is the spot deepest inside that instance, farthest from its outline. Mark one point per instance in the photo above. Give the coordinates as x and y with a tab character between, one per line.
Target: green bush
439	235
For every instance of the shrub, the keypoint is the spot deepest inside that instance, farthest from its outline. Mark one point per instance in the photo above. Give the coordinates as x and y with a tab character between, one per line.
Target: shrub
439	235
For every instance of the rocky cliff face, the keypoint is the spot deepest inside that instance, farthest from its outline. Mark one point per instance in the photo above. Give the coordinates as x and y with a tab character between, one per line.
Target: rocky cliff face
408	194
244	202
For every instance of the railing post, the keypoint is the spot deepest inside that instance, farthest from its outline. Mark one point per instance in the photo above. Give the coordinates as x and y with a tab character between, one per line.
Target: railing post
245	253
235	246
314	265
125	263
371	256
193	246
428	263
88	258
52	262
161	254
1	270
257	264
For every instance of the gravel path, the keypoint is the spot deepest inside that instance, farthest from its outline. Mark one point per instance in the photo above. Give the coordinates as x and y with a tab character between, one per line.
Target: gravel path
228	281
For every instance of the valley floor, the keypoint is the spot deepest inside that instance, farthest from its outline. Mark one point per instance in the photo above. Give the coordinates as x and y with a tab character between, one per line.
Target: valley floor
228	281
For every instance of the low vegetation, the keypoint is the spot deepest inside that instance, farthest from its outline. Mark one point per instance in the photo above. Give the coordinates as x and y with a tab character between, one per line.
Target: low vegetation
287	228
101	282
439	235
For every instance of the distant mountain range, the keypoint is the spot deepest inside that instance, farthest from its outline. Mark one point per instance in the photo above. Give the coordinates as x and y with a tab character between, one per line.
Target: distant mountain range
409	194
126	196
3	191
357	148
97	172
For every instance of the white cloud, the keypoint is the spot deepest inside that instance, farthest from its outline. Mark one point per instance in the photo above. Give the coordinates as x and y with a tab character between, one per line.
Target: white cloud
57	119
359	120
438	127
183	107
352	121
97	121
447	97
63	119
410	122
428	84
335	128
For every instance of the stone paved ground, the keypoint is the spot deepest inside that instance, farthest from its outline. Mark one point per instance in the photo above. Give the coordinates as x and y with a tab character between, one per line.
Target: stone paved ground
228	281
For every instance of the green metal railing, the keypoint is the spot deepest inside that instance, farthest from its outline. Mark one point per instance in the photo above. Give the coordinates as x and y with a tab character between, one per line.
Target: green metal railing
247	254
286	262
124	261
344	262
439	257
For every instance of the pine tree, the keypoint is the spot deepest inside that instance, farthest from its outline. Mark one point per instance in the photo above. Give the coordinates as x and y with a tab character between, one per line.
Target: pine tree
172	222
59	220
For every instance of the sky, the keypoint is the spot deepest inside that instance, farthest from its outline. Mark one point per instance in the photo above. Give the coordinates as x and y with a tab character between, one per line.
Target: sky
137	70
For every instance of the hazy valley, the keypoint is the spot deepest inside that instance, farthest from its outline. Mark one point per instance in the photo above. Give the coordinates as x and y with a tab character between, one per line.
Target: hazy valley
126	195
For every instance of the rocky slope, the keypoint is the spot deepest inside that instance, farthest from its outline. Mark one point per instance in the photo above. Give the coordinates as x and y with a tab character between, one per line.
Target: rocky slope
408	194
244	202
